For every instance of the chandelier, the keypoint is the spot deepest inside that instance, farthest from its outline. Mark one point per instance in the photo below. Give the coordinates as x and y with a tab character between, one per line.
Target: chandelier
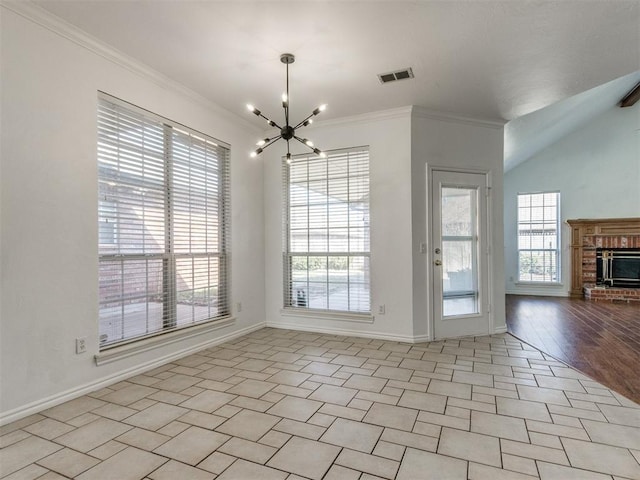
287	132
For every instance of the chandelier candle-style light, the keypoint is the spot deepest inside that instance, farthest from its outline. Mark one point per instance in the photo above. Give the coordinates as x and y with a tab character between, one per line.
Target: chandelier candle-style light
287	132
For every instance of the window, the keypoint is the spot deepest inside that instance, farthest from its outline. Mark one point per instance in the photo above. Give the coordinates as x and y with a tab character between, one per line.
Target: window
459	233
163	224
539	237
326	245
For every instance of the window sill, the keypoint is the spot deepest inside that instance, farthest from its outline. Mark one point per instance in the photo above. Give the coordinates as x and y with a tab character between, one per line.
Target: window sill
328	315
539	284
150	343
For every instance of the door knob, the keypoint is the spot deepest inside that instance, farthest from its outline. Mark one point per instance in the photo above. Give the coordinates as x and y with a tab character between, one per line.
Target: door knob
438	262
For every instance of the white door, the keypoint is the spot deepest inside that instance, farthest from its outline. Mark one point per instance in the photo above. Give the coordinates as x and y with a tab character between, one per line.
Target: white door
459	255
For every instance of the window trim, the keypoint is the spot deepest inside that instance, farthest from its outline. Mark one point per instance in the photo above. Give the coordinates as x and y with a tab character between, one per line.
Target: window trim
171	332
337	315
288	308
557	250
160	339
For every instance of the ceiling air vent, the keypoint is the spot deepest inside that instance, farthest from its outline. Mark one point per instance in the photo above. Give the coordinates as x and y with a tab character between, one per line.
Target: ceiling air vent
393	76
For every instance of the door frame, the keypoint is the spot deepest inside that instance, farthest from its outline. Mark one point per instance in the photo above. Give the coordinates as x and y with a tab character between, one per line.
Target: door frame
429	257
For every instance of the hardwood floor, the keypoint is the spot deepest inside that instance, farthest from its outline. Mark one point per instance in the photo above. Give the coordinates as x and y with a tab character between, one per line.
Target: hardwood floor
600	339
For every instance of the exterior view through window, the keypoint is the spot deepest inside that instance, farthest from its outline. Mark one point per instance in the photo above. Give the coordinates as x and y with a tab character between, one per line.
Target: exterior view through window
326	244
459	232
539	237
163	218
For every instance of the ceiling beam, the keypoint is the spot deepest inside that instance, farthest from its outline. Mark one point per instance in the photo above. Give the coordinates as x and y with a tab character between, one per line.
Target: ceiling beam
632	97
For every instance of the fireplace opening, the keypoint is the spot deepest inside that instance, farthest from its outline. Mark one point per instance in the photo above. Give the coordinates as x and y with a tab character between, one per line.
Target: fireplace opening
618	267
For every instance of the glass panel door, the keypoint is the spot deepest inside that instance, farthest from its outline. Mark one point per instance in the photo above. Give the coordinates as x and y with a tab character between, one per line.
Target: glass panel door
459	254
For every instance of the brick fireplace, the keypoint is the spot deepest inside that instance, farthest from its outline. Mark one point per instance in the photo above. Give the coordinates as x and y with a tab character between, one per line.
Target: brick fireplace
588	237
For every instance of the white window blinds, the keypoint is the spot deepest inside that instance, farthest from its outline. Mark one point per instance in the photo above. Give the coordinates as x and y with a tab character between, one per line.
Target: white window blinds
163	213
326	234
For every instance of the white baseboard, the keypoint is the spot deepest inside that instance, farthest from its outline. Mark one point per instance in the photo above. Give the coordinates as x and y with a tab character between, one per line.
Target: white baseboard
421	338
58	398
500	329
349	333
537	292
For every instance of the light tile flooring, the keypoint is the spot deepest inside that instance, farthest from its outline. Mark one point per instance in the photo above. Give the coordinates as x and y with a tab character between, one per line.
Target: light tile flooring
280	404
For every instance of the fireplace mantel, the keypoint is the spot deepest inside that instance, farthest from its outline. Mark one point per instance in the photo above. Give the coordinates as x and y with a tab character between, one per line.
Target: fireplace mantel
589	234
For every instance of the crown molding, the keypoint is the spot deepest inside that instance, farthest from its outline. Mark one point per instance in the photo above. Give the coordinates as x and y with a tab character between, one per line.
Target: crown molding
400	112
45	19
422	112
411	111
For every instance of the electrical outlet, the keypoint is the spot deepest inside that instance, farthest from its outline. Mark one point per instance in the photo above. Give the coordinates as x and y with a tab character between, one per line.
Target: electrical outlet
81	345
381	309
239	307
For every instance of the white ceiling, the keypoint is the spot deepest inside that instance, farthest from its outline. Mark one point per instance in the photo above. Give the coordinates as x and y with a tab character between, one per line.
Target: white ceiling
495	60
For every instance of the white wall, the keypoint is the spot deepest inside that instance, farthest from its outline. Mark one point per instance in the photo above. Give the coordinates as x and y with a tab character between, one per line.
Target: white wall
401	142
440	141
596	169
388	136
48	216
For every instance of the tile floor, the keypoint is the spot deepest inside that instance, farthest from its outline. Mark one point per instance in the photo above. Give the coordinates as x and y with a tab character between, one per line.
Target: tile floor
279	404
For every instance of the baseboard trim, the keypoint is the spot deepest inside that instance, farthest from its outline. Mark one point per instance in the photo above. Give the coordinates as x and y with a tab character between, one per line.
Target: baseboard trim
421	338
349	333
57	399
500	329
537	292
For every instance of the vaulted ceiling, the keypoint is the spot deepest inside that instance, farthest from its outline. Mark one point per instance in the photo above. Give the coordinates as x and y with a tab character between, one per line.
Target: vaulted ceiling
494	60
529	134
